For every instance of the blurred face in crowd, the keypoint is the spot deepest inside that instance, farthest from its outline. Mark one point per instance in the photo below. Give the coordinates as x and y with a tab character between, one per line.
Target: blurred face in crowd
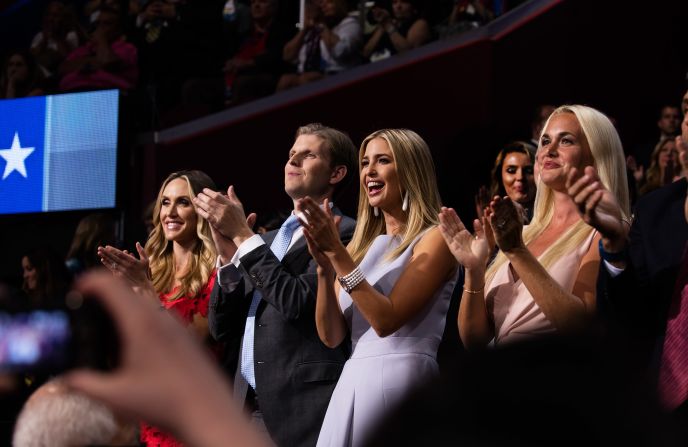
30	274
563	145
379	176
313	10
403	10
333	8
308	170
263	9
108	25
667	154
518	178
169	10
54	16
17	68
669	121
155	8
161	9
114	4
177	214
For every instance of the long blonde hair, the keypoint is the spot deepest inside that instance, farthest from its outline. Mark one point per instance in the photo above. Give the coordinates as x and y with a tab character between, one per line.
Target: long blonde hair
654	178
608	159
159	249
416	173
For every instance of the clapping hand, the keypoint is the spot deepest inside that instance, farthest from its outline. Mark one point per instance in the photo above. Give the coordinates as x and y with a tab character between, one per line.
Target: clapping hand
637	169
487	228
320	224
482	200
317	223
471	251
596	204
225	214
125	265
381	15
506	221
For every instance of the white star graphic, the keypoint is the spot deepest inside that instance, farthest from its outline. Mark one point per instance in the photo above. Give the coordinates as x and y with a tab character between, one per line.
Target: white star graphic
15	157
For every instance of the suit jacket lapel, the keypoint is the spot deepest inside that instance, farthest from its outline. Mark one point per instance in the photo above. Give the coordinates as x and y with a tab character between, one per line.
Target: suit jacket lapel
292	258
295	249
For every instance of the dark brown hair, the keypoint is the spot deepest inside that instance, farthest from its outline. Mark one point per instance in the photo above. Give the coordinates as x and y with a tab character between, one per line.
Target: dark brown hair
496	185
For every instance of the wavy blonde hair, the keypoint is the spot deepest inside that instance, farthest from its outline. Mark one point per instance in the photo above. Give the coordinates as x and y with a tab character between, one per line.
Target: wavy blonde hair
416	173
608	160
654	178
159	249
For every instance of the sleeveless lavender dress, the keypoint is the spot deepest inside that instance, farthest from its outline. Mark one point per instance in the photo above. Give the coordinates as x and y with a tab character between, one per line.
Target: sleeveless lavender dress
381	371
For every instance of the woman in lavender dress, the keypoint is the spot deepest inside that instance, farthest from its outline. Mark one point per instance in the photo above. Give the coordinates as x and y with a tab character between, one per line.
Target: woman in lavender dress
395	280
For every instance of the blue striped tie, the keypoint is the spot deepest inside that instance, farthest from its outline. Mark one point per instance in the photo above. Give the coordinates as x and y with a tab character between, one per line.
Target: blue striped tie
279	248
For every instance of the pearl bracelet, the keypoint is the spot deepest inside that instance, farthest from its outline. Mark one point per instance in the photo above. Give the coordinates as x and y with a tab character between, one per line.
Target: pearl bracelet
351	280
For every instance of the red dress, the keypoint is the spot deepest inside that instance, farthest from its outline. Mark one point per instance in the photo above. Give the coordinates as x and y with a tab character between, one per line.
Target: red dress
186	308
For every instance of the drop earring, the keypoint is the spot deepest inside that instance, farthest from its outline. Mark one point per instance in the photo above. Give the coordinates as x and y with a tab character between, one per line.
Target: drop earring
404	204
376	211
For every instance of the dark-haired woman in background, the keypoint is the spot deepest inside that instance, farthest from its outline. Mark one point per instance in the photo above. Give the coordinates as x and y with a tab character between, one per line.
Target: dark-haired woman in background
21	76
93	231
513	176
46	279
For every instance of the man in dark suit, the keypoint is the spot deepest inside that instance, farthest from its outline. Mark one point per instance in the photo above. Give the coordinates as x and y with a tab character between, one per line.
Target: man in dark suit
264	307
639	272
641	262
634	293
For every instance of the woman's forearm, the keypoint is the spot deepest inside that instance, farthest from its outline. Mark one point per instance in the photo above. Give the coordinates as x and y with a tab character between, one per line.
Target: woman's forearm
429	268
400	42
329	319
564	309
372	42
375	307
474	324
291	49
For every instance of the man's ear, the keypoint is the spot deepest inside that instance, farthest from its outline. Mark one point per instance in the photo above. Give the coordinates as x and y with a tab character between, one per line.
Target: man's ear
338	174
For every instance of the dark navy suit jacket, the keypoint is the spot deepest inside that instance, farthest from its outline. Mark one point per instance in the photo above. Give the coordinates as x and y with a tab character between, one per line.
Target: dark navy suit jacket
295	372
636	302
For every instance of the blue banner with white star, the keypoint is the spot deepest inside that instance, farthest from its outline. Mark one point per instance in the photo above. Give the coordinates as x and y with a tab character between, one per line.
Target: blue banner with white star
58	152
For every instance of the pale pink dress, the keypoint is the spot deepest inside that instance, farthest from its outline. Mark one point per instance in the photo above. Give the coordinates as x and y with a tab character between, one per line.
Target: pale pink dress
516	315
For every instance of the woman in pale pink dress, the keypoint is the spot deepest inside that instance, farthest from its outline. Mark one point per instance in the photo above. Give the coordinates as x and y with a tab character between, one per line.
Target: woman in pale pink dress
543	279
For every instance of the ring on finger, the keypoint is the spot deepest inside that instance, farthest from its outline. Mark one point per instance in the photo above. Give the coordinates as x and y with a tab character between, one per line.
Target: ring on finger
114	266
